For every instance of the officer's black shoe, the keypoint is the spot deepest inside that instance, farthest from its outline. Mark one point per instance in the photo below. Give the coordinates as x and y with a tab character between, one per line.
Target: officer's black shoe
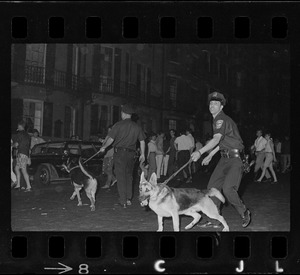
246	218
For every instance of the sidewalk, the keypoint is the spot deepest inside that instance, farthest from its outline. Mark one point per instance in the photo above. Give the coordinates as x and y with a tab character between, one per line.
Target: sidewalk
50	209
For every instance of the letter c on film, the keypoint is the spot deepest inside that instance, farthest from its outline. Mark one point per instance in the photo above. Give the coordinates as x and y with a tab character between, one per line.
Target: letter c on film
157	266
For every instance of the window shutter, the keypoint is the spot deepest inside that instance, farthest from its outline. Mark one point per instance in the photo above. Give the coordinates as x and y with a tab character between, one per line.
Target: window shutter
47	119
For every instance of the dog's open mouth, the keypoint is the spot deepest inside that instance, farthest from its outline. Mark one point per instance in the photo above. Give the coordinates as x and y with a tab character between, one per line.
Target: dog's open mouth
143	200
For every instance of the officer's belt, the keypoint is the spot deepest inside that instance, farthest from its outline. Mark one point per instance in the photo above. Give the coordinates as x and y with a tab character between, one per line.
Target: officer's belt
230	153
116	149
261	151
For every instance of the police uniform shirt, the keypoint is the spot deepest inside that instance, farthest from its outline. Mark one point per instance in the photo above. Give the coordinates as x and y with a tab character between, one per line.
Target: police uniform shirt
125	134
224	125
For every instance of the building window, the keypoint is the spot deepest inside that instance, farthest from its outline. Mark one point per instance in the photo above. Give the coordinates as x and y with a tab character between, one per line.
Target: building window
35	63
33	114
107	62
172	124
36	55
173	90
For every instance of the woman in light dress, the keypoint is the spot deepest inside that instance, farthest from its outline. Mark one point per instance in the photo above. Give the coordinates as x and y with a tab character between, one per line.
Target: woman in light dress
269	158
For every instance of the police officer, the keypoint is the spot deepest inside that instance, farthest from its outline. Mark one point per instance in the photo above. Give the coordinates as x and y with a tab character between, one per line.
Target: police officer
228	172
124	136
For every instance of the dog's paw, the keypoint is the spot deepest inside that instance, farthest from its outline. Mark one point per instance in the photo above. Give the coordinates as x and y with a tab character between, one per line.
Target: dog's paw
79	204
225	229
93	208
189	226
72	198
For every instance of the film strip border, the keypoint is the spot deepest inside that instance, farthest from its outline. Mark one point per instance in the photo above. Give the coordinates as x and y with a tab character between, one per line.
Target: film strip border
155	22
131	253
135	252
167	27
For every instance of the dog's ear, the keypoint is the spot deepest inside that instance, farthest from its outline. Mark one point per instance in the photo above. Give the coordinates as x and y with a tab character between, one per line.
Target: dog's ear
153	179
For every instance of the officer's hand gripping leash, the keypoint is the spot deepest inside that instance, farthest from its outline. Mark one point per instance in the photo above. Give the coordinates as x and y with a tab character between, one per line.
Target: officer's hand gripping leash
174	174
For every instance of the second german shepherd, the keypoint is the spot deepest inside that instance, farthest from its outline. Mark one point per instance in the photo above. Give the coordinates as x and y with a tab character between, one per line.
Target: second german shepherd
172	202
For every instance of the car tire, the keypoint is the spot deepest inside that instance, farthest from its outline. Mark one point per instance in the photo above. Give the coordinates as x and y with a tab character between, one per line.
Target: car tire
42	175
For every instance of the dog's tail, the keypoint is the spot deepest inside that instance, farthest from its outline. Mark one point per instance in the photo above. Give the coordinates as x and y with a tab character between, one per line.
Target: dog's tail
213	192
83	170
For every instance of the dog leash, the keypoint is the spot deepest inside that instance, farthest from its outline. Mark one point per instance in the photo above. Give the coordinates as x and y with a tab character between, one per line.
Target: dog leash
174	174
91	157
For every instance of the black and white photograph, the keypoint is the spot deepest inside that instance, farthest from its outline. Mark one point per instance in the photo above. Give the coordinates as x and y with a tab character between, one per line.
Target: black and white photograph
150	137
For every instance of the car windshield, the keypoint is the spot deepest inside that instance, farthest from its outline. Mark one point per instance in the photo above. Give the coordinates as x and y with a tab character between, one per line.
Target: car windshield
48	148
74	148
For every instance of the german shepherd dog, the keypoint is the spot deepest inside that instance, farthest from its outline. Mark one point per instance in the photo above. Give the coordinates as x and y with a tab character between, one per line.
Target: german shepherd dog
80	177
172	202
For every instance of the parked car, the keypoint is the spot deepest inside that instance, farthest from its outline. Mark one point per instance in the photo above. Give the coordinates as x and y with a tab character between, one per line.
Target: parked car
47	158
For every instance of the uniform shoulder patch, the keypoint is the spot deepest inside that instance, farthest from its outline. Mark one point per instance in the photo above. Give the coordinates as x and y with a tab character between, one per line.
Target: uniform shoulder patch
219	124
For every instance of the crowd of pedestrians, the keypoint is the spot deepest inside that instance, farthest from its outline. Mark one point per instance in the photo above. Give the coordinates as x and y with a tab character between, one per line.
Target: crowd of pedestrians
270	157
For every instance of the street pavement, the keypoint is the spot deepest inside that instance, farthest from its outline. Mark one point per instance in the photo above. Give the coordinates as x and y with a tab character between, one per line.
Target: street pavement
49	208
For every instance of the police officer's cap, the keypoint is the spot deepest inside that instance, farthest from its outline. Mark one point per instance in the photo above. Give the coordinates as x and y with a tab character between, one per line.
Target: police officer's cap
217	96
128	108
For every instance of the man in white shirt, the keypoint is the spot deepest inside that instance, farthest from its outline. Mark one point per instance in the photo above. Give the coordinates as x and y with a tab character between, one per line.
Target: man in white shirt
189	134
259	148
183	145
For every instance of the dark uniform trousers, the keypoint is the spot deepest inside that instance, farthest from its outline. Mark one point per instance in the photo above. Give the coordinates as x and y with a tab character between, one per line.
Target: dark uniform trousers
183	158
227	176
124	164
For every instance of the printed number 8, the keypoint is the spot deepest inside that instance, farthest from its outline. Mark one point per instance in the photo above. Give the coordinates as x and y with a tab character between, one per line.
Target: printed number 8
83	269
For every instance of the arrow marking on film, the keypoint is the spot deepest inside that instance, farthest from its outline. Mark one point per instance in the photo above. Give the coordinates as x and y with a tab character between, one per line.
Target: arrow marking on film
64	269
